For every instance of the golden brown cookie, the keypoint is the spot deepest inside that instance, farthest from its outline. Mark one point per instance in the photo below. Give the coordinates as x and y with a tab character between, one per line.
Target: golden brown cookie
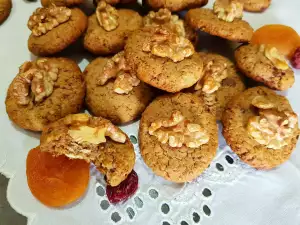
5	8
256	5
219	84
261	127
178	137
265	64
206	20
94	139
163	59
45	91
110	37
175	5
114	2
68	3
61	28
113	92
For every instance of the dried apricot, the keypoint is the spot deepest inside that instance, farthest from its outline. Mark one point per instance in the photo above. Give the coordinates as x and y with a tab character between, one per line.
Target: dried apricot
56	181
284	38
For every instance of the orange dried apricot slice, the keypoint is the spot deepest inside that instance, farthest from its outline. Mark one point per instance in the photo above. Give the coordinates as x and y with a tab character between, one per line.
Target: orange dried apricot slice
56	181
284	38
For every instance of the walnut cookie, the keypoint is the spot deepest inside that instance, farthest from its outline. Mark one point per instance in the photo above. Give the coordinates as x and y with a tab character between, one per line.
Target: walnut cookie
225	21
175	5
68	3
5	8
261	127
265	64
256	5
178	137
109	28
54	29
219	84
94	139
114	2
45	91
163	59
114	92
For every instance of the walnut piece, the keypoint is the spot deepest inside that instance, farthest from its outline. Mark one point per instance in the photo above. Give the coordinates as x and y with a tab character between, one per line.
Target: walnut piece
274	56
271	128
107	16
35	81
214	73
228	10
165	18
177	131
45	19
96	135
167	44
117	68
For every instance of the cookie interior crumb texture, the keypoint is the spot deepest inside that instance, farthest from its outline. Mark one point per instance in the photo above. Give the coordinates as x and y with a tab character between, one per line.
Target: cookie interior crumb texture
235	120
35	115
177	164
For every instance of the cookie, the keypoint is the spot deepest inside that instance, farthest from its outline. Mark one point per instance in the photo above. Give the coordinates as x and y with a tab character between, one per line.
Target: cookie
175	5
46	3
60	29
178	137
163	59
261	127
94	139
110	37
256	5
164	18
5	8
45	91
265	64
220	83
113	92
114	2
206	20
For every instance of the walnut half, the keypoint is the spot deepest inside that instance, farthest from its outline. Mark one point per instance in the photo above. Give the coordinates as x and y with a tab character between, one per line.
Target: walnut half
35	81
271	128
228	10
167	44
107	16
177	131
45	19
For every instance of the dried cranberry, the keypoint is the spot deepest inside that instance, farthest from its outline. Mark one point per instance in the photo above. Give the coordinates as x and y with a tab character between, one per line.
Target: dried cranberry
124	190
296	59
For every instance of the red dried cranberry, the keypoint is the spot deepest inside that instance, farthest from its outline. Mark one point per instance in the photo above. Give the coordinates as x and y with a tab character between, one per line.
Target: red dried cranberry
296	59
124	190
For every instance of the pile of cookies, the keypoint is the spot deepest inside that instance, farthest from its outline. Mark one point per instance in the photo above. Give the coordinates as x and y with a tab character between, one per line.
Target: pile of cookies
147	67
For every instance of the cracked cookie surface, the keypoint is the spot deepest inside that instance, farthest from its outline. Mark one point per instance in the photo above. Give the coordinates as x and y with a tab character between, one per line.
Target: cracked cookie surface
5	8
101	100
254	64
59	37
205	20
179	164
235	120
175	5
66	98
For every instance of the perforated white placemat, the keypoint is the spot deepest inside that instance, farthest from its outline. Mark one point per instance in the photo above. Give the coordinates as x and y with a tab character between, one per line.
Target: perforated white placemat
227	193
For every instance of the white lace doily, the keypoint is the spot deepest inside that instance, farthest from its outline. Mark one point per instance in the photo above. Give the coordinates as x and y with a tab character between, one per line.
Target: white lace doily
228	193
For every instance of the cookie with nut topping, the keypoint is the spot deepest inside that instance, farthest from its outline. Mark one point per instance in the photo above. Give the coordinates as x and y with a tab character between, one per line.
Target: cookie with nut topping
261	127
55	28
109	28
265	64
114	2
224	21
44	91
93	139
175	5
68	3
256	5
113	91
163	59
220	83
178	137
5	8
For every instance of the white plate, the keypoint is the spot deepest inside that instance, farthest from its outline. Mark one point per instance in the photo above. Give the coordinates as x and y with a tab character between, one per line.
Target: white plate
240	195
